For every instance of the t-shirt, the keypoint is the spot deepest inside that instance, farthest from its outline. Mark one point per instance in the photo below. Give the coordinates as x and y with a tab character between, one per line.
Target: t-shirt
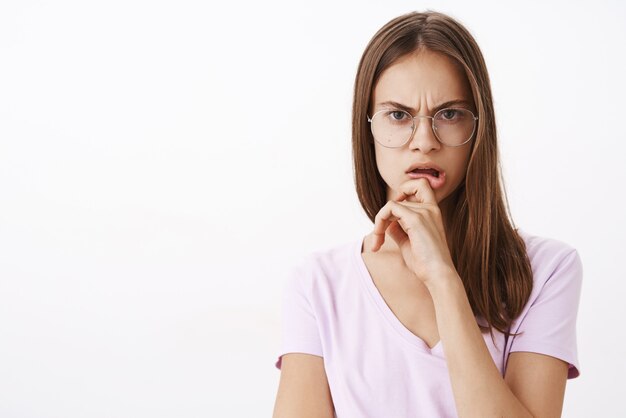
376	367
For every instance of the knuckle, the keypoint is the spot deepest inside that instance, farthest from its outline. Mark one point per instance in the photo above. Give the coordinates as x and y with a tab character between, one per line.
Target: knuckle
435	209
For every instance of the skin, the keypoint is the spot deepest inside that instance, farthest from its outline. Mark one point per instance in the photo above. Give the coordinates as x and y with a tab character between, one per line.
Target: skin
412	225
422	81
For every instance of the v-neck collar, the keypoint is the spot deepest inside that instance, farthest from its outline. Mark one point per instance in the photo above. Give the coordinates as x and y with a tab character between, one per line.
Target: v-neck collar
387	313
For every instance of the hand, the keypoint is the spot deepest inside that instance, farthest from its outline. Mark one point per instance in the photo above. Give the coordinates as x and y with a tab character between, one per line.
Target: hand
417	228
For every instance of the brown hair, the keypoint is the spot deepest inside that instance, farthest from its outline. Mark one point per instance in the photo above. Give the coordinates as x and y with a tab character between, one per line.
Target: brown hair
487	252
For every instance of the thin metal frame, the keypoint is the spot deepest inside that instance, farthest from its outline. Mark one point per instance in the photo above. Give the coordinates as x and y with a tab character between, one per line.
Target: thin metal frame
432	125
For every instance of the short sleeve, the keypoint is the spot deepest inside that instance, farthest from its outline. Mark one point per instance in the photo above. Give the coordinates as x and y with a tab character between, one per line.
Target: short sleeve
299	328
549	326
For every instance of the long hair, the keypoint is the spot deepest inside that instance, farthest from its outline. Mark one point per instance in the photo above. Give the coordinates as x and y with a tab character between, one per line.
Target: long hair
487	251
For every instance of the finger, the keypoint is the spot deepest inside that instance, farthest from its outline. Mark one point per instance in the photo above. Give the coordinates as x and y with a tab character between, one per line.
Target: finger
427	212
392	211
398	196
420	188
397	233
378	233
377	240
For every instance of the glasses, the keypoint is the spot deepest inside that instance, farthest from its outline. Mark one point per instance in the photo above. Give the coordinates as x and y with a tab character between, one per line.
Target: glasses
393	128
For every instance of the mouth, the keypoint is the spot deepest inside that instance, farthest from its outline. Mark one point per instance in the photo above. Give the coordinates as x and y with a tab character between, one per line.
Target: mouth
435	178
430	171
426	167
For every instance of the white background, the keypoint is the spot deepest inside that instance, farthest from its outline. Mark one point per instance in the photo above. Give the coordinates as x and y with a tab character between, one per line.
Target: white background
164	163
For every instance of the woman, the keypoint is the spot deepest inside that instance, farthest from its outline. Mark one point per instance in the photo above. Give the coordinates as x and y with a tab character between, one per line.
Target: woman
444	309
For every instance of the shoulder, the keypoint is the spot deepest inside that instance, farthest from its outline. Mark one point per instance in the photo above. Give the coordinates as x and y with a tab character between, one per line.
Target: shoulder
542	249
548	256
324	266
556	266
547	323
334	257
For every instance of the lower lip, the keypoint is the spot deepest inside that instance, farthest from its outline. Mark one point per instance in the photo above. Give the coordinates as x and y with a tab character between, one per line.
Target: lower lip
435	182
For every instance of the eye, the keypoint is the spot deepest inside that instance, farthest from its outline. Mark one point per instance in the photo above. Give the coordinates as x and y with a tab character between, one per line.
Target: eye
397	115
449	114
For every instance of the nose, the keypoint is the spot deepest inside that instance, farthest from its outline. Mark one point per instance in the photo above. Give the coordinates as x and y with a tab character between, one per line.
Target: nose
424	137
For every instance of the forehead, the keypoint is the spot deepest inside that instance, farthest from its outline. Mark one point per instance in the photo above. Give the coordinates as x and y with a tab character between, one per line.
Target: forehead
425	77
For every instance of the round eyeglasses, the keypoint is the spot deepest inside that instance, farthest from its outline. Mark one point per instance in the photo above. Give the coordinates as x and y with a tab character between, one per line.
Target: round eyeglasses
392	128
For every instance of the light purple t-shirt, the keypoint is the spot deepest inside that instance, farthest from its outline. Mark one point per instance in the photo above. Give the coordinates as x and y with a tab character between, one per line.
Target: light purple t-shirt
376	367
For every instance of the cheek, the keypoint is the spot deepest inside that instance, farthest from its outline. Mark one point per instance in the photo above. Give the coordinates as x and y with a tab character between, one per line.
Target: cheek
460	168
386	166
379	160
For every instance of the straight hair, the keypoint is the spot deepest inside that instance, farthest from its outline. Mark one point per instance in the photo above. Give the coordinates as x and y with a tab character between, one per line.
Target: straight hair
487	251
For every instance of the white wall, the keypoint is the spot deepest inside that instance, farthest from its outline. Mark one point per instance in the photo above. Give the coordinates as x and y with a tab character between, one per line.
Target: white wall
163	163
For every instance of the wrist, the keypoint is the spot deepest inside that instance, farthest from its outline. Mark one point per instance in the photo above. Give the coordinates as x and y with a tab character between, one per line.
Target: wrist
444	282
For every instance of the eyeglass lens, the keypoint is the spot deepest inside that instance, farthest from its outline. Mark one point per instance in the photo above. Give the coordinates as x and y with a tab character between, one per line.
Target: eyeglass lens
393	128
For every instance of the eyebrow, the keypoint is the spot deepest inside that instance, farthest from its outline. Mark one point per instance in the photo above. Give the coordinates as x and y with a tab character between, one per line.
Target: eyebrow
436	108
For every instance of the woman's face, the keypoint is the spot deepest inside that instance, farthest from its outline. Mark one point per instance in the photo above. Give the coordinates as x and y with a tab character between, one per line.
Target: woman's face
421	82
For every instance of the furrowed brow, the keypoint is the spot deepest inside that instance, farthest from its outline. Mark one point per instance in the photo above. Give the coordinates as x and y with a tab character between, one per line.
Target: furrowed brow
449	103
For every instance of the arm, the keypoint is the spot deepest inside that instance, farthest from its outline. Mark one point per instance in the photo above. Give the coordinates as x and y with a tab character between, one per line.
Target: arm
303	390
534	385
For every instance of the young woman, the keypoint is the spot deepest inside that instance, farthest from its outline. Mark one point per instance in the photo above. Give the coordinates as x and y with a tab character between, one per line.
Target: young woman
444	309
